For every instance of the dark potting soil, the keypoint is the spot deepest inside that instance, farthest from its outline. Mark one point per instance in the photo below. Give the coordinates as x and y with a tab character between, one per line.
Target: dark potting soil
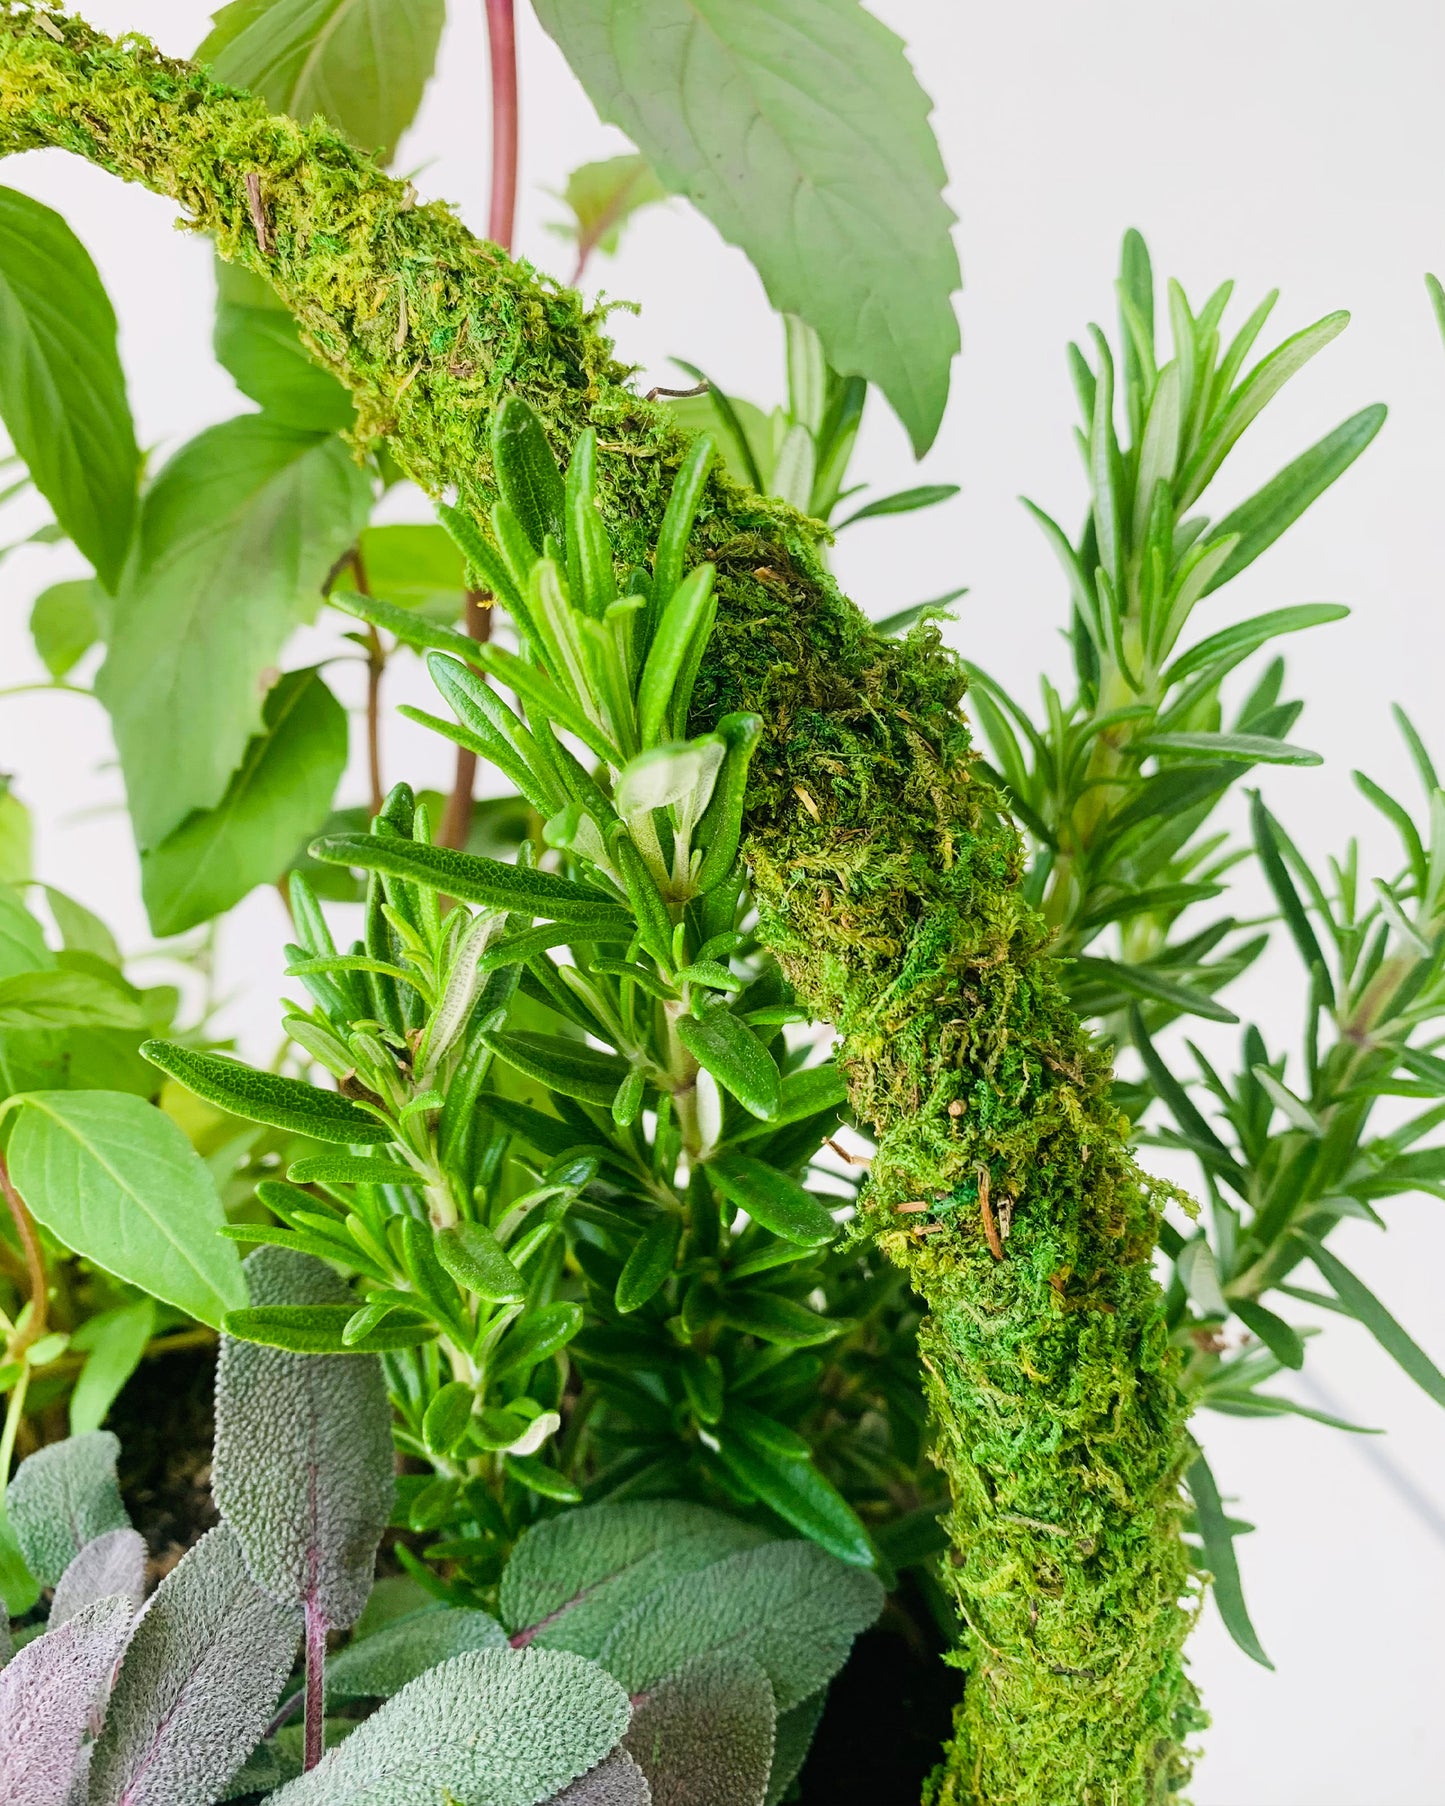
888	1716
165	1421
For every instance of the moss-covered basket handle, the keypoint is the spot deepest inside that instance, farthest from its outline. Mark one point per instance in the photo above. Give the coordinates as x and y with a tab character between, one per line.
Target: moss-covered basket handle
888	882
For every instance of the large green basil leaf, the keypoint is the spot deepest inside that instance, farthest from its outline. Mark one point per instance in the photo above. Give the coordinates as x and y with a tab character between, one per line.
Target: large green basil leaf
803	135
62	391
361	63
236	539
278	797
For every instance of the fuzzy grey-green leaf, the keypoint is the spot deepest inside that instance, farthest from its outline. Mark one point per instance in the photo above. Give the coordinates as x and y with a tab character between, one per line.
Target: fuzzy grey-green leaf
507	1726
303	1460
198	1685
616	1782
112	1565
704	1736
50	1695
794	1609
63	1497
383	1663
571	1578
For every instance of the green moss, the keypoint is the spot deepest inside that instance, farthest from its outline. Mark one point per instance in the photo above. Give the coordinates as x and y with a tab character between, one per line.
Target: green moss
888	881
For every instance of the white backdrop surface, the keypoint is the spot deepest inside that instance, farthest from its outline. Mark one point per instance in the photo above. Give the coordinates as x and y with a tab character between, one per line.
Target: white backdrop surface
1289	143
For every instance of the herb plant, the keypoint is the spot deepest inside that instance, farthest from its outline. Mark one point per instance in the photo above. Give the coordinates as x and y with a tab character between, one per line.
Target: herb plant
554	1168
722	1637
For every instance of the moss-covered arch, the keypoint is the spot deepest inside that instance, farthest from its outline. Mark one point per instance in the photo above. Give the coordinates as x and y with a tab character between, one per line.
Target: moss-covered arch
889	885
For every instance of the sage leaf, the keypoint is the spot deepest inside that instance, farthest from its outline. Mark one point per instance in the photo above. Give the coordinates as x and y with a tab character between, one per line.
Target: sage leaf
616	1782
363	67
62	390
199	1682
704	1736
63	1497
510	1726
773	1199
792	1738
51	1694
266	1097
236	538
112	1565
572	1578
302	1470
382	1664
275	799
791	1607
116	1181
803	136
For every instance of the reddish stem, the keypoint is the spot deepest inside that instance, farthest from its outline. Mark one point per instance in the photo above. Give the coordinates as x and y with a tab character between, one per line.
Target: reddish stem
315	1683
502	53
34	1264
501	223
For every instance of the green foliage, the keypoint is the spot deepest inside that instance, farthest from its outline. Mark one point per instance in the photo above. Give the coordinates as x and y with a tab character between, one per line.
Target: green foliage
518	1723
65	624
602	197
303	1462
789	1606
364	67
62	391
1116	784
704	1736
282	788
200	1678
115	1180
738	111
375	1667
110	1566
50	1696
659	1311
63	1497
112	1342
253	510
573	1577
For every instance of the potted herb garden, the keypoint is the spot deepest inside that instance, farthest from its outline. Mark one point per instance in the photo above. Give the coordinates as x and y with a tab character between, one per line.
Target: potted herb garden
688	1315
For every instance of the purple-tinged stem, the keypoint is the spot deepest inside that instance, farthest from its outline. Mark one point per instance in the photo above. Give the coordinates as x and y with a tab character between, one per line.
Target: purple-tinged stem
315	1683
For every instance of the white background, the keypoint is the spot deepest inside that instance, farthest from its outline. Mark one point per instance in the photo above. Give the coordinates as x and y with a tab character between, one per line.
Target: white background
1289	143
